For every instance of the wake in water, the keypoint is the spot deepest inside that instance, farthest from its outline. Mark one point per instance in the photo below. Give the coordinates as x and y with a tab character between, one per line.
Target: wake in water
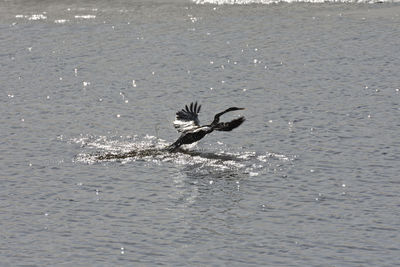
102	149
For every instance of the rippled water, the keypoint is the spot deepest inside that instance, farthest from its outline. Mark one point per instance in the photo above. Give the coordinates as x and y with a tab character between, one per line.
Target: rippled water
89	91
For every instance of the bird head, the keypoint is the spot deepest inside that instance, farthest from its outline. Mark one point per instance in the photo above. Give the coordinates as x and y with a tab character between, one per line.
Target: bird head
233	109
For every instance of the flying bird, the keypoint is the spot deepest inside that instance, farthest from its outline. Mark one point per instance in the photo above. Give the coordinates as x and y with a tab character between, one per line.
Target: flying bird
188	124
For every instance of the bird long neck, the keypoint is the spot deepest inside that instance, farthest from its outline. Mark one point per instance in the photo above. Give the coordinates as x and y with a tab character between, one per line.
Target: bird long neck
216	117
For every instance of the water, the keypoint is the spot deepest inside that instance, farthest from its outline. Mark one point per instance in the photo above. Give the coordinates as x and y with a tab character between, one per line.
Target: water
310	179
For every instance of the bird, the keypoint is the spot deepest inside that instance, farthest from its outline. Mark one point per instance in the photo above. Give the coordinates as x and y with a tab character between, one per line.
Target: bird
187	123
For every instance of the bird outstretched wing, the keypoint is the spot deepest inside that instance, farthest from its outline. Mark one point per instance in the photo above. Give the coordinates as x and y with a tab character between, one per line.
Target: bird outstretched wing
187	118
229	126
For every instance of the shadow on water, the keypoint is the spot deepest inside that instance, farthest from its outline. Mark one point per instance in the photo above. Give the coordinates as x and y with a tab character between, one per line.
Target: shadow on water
152	152
156	152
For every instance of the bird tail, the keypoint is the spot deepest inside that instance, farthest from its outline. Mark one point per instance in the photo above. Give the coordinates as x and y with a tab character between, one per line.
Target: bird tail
229	126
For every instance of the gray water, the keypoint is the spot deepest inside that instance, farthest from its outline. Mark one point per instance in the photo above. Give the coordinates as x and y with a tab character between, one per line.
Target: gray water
310	179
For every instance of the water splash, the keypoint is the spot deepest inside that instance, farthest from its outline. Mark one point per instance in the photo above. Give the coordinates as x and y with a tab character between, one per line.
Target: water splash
103	149
86	16
40	16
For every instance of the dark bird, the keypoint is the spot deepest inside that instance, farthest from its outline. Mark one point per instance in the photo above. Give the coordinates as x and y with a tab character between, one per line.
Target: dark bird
187	123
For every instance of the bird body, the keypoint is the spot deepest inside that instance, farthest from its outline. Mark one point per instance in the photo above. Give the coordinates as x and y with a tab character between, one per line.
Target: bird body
187	123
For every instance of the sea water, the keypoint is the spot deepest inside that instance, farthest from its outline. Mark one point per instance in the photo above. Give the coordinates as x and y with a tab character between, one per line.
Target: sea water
310	179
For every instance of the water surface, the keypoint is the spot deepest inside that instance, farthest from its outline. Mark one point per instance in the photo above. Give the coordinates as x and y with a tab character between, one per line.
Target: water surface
310	179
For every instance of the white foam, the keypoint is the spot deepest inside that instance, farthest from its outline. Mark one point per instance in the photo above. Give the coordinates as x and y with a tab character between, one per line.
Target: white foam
85	16
37	17
60	21
32	17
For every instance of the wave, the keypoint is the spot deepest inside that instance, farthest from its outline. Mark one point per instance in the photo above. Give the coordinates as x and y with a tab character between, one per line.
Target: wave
248	2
